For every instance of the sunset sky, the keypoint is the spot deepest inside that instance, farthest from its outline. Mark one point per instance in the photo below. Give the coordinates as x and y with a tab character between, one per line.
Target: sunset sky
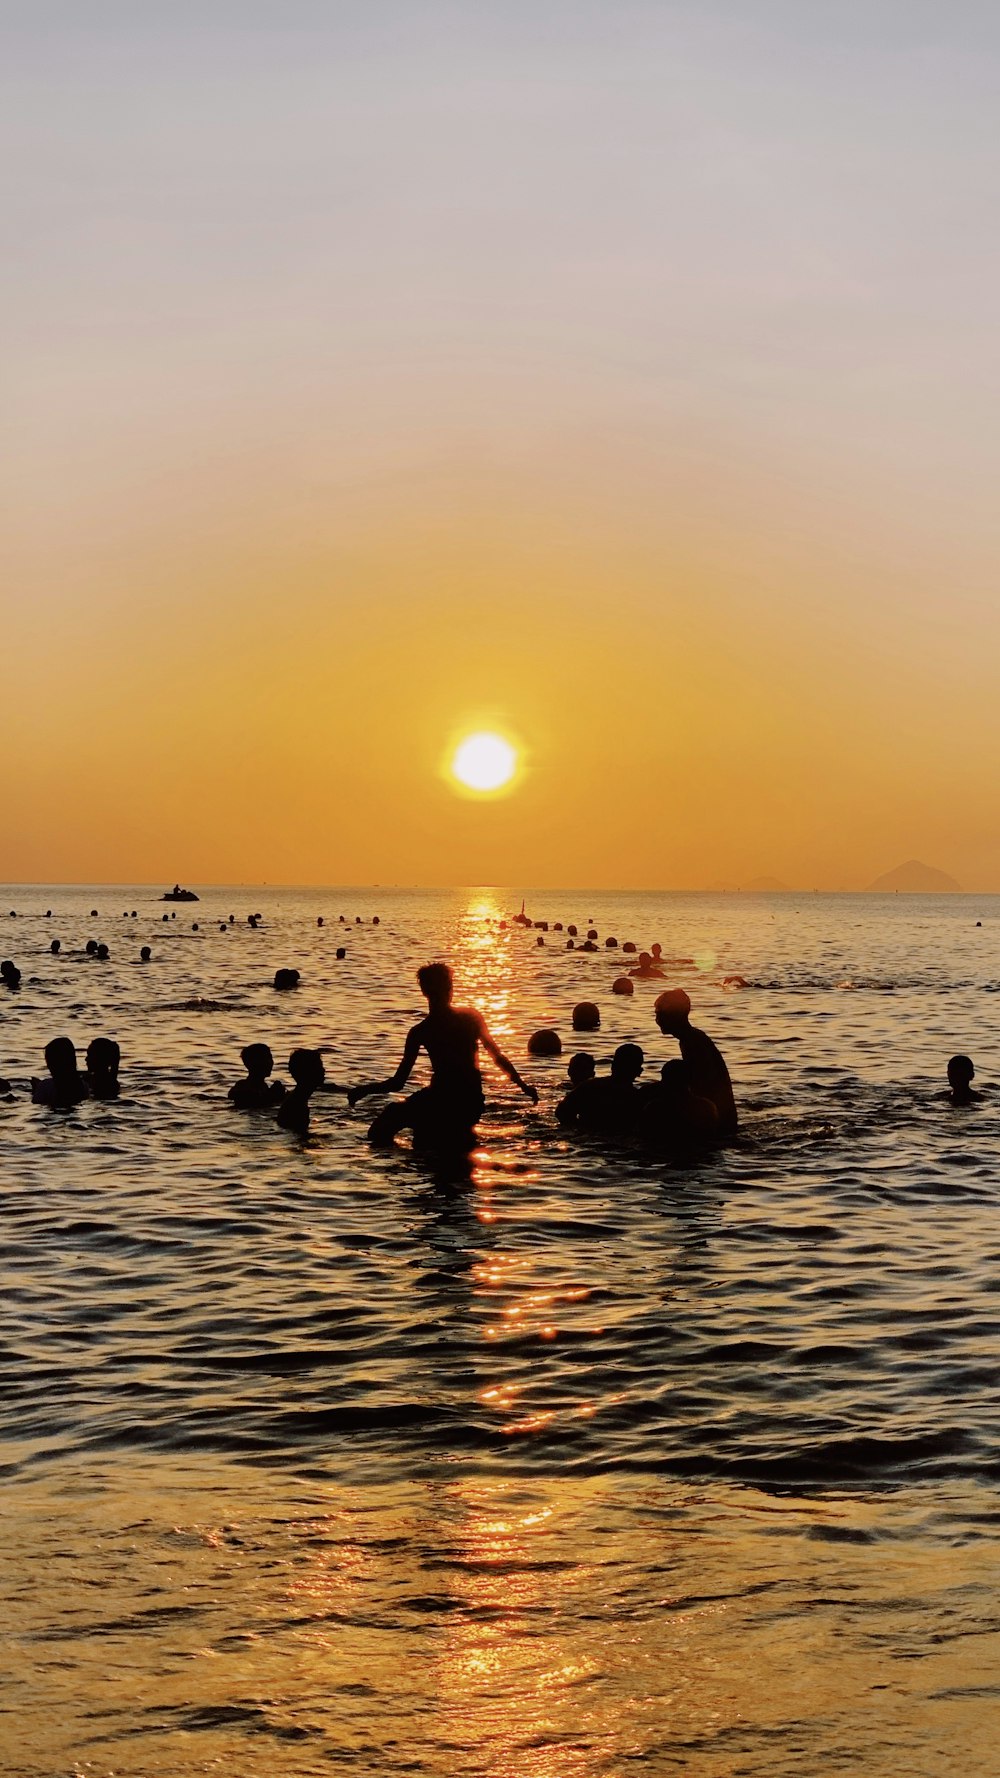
618	374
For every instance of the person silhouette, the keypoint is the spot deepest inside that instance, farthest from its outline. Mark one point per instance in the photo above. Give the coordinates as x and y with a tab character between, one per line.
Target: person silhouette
450	1108
609	1105
10	975
581	1068
708	1075
674	1117
66	1086
256	1093
961	1075
103	1061
646	970
307	1071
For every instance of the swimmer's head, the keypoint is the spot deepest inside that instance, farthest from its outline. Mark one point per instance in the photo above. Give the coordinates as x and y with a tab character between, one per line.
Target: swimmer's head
674	1079
103	1057
145	954
961	1074
671	1010
626	1063
586	1016
581	1068
437	983
60	1057
306	1069
645	960
257	1060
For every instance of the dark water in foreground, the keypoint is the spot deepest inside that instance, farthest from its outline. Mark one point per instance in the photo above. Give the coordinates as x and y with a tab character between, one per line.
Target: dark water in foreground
312	1461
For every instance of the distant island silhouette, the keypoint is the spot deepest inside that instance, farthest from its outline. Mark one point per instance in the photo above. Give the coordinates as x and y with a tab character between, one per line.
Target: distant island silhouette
915	878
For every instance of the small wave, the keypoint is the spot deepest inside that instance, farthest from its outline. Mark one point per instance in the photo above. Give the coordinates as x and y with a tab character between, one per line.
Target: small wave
204	1004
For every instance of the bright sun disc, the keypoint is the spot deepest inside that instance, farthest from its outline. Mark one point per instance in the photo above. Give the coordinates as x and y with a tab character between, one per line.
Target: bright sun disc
484	762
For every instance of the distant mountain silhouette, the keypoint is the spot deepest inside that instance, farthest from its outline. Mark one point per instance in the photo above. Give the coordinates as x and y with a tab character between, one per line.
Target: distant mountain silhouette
768	885
914	877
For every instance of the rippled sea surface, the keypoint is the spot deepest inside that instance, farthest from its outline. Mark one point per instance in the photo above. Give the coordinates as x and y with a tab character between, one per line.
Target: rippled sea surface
313	1460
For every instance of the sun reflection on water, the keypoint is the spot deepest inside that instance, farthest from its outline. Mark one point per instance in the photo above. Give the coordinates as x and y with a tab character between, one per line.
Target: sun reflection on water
484	970
520	1700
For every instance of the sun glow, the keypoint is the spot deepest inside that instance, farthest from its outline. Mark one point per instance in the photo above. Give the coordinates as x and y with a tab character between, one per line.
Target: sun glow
484	762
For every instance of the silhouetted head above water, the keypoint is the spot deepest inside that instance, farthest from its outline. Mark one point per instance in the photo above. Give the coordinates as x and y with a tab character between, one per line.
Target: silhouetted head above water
674	1079
10	975
60	1058
672	1009
586	1016
306	1069
961	1075
581	1068
103	1061
287	978
627	1062
257	1060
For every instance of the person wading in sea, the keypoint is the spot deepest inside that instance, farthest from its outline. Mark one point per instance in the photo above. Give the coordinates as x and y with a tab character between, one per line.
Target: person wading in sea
449	1109
707	1073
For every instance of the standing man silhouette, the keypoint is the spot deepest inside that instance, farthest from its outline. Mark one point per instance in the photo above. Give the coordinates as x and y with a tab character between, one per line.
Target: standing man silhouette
452	1105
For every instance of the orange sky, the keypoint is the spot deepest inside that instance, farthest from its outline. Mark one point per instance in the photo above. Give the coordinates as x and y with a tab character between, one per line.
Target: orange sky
621	378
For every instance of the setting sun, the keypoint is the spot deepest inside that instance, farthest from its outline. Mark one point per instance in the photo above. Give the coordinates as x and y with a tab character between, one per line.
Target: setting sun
484	762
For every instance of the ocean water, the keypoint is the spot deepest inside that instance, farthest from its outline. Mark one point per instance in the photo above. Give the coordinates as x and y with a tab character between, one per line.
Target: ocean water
313	1460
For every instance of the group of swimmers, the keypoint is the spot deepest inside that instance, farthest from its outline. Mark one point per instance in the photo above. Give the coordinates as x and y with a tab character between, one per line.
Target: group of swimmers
693	1100
692	1105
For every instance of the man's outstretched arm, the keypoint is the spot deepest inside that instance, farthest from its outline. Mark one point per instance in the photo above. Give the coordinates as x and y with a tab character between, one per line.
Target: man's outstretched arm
504	1062
411	1050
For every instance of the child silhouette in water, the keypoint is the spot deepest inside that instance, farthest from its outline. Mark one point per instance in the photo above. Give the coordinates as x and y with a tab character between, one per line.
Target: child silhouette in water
256	1093
103	1061
961	1075
307	1071
66	1086
452	1105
